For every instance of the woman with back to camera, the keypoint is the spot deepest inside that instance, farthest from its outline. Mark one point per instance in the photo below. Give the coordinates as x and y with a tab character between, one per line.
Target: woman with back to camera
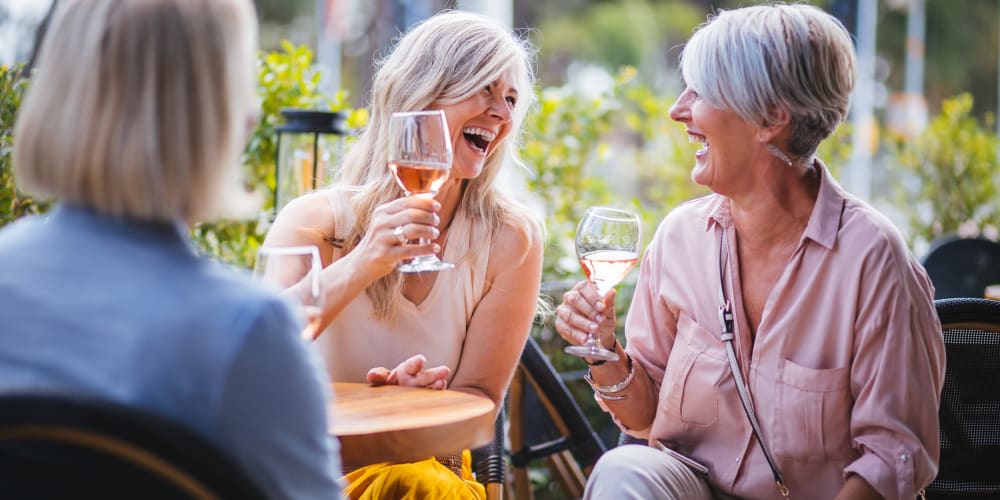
834	326
134	122
462	328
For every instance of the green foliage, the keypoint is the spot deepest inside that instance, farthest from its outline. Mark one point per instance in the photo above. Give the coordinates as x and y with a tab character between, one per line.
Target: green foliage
563	135
281	11
286	79
638	33
625	130
953	174
13	203
836	150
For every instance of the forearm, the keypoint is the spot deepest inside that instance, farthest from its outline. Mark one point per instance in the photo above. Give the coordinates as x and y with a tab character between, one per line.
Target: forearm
343	281
638	407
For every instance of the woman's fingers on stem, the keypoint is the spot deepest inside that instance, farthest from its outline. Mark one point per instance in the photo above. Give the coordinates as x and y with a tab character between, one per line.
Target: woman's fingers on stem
569	330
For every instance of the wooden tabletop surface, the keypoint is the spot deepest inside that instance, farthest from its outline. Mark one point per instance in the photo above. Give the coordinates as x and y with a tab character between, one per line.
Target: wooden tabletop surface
391	423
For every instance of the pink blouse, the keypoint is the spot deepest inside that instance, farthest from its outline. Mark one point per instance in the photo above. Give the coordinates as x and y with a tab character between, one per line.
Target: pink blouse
846	369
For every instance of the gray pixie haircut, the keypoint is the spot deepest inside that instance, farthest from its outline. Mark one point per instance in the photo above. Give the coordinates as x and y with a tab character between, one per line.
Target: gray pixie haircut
139	108
760	60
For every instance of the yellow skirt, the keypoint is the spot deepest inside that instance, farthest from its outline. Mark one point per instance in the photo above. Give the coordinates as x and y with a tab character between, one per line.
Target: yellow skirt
414	481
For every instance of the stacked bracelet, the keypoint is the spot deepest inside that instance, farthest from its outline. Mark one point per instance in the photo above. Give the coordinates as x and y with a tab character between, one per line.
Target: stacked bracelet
606	391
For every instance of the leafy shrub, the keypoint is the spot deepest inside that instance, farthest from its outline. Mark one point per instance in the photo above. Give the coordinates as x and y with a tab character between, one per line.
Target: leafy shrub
951	176
286	79
13	203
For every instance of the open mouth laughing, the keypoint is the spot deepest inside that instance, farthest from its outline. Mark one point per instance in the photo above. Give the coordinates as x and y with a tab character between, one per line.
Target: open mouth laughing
479	138
698	138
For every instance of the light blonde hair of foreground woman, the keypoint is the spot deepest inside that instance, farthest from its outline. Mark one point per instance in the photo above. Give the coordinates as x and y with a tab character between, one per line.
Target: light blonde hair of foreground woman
139	108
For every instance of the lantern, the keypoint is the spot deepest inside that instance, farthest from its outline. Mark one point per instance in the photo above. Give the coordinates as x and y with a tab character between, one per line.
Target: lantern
309	143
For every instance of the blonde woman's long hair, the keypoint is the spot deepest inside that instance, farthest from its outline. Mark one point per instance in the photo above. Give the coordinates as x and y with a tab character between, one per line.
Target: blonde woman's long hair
139	108
443	60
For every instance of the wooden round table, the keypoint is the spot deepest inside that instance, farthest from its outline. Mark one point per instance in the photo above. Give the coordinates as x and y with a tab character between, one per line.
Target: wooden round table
391	423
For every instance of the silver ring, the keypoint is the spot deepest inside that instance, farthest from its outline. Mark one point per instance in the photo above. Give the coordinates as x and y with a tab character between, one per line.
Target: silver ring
398	233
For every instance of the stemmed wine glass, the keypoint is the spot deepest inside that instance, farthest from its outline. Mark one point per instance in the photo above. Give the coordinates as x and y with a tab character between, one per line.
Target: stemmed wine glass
295	271
420	158
607	244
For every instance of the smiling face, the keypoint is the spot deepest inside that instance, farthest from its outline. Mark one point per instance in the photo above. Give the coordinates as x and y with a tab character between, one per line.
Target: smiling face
478	123
730	142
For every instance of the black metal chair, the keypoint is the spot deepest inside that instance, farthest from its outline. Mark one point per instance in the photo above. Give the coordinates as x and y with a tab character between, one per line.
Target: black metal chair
962	267
970	400
58	446
547	423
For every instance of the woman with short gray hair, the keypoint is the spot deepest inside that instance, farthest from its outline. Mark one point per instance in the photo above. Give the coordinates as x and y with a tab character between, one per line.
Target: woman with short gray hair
781	337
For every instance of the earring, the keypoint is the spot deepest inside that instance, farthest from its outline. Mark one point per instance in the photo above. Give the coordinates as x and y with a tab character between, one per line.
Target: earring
779	154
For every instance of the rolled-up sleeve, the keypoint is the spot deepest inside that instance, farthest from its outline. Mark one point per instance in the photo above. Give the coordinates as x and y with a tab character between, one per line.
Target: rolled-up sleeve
896	379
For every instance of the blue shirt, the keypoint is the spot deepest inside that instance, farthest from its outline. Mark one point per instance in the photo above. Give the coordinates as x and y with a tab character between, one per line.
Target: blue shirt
125	310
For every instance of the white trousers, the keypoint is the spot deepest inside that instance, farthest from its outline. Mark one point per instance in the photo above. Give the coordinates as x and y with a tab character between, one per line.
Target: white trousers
643	473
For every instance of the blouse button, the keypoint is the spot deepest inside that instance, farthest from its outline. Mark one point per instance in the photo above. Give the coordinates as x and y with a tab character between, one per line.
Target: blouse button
903	457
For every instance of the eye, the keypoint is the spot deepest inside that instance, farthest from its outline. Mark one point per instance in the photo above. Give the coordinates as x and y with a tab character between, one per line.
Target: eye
511	101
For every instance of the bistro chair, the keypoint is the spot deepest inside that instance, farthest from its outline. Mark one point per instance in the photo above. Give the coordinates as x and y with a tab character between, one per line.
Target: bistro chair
962	267
488	462
970	400
547	423
59	446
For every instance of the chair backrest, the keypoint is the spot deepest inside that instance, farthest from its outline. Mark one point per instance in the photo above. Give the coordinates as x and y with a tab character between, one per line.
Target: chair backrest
962	267
547	423
557	422
488	461
58	446
970	400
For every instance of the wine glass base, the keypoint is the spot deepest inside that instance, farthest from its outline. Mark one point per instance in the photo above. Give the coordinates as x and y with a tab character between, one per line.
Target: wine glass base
424	266
591	351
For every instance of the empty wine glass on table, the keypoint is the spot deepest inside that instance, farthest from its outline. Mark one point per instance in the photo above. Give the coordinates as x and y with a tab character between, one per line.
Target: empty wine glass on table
295	271
420	159
607	244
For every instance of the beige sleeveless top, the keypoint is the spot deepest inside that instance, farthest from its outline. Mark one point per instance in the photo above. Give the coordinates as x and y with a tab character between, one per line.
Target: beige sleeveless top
355	341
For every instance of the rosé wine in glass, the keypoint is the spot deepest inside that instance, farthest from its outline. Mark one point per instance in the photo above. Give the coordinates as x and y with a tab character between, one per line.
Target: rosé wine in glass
607	244
420	159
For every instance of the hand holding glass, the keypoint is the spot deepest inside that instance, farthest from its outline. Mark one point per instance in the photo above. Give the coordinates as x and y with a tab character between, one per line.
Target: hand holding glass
607	244
420	158
295	271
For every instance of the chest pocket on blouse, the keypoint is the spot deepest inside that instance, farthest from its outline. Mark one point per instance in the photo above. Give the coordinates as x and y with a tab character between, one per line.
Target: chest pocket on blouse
812	413
694	370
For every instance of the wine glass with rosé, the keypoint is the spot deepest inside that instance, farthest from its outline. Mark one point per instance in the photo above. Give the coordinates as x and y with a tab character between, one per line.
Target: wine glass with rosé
420	158
295	272
607	244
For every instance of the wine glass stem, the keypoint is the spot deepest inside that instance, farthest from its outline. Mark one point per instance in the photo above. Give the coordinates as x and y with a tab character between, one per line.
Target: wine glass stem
423	241
602	290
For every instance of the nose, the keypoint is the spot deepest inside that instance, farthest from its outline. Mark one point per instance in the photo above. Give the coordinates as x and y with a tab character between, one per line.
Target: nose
499	109
681	110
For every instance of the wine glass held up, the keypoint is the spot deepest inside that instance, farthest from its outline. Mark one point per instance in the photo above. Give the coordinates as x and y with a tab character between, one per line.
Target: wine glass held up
607	244
295	271
420	158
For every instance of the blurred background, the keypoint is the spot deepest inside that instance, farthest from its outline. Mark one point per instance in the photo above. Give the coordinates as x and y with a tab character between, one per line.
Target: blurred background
579	38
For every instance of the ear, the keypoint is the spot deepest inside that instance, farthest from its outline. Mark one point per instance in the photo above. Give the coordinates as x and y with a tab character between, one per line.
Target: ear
780	119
